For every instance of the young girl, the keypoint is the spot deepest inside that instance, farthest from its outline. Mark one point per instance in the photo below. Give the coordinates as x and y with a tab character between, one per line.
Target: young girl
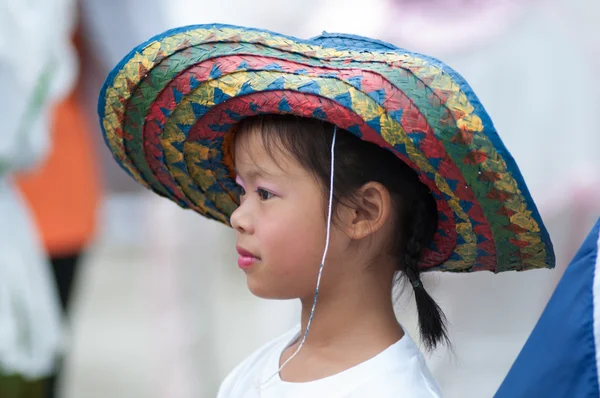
345	165
381	217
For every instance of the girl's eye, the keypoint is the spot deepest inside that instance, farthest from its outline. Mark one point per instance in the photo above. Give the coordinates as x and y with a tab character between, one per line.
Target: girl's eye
264	195
243	191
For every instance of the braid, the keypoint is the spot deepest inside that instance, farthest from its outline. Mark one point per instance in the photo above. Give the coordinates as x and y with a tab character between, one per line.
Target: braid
432	321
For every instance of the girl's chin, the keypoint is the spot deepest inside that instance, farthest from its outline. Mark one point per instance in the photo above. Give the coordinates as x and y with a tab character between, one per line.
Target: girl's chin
268	291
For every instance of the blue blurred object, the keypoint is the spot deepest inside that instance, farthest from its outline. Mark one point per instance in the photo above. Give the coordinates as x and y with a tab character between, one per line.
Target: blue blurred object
560	358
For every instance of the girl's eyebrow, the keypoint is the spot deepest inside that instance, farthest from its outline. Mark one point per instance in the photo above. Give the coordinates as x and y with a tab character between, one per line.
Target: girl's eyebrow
250	175
254	173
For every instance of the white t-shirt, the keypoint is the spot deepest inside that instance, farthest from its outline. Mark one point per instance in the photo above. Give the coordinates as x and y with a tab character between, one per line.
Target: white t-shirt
398	371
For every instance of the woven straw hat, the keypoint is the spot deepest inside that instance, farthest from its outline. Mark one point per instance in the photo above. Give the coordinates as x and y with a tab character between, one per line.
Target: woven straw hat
168	108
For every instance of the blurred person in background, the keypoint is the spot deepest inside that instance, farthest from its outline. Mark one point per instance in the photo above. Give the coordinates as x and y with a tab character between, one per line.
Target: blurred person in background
63	195
37	69
561	356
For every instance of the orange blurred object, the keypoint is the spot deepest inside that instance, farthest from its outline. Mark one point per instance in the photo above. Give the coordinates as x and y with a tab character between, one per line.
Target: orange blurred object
64	191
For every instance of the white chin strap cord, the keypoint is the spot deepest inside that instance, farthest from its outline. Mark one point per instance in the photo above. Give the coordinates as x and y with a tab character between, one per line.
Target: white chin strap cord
329	211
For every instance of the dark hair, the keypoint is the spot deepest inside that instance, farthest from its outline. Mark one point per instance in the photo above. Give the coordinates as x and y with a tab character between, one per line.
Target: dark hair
358	162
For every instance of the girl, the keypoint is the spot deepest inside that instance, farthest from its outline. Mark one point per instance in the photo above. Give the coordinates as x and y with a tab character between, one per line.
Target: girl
344	164
381	217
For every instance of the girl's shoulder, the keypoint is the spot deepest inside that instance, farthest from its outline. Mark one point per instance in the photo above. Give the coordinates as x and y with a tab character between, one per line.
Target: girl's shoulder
400	370
257	363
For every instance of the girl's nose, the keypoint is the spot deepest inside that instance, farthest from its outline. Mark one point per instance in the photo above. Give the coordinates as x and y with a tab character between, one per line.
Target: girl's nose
240	220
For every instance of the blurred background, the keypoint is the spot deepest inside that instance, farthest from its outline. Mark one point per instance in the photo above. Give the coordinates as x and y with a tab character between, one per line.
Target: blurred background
153	302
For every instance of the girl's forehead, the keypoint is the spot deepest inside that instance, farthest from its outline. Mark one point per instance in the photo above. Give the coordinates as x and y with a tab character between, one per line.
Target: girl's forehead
251	156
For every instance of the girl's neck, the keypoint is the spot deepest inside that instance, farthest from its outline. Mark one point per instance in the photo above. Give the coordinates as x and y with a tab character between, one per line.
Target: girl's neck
352	316
354	321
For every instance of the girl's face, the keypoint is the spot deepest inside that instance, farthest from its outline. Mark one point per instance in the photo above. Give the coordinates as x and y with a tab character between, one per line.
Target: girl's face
280	222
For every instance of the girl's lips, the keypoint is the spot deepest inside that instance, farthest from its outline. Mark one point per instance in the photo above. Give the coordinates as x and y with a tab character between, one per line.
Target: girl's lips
243	252
245	262
246	259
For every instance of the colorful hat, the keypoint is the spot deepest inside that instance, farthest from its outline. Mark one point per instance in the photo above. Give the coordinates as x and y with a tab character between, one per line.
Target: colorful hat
168	108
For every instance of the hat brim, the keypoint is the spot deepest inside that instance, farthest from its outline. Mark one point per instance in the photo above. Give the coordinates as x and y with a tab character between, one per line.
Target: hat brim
168	109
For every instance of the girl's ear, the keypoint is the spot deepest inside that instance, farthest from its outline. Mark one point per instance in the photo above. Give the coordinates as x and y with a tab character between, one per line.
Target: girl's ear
371	212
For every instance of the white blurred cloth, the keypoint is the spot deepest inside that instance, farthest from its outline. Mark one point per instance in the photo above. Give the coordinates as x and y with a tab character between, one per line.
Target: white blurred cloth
37	68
